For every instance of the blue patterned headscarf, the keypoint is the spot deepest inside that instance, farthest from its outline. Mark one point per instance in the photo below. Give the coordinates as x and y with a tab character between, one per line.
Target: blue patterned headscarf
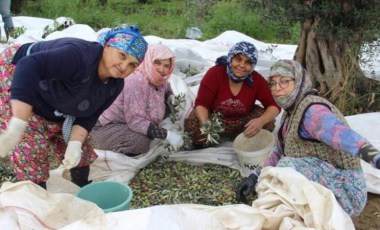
246	48
127	39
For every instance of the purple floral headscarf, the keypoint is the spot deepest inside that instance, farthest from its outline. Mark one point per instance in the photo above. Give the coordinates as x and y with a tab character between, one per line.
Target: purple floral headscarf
247	49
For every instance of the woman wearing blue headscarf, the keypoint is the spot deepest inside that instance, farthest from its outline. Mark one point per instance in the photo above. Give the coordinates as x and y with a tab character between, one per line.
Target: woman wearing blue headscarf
231	88
52	93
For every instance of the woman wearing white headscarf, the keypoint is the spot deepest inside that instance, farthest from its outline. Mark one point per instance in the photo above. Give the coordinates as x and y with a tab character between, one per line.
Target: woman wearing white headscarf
315	140
132	121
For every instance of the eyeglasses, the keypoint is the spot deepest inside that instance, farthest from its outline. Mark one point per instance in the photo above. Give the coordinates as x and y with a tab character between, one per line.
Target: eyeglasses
283	83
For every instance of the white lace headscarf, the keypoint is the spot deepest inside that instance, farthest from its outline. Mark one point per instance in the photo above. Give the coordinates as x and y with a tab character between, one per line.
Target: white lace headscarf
303	85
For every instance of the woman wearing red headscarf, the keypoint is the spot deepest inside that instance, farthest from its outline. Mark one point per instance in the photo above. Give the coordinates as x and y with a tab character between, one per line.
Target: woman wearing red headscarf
132	121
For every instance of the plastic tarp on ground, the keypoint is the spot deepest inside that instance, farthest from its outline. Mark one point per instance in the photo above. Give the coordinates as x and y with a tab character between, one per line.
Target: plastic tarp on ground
118	167
286	200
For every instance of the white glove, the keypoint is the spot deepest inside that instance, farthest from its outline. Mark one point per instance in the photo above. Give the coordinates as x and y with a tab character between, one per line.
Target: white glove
171	99
73	154
10	138
174	139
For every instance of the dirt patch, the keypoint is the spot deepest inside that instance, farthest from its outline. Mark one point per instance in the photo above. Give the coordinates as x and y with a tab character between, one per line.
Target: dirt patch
369	219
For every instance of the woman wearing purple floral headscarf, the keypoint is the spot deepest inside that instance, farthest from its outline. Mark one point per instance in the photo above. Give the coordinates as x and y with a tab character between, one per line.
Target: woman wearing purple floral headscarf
315	140
52	93
231	89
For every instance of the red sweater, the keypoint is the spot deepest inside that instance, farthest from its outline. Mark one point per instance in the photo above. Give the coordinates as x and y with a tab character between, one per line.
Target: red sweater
215	94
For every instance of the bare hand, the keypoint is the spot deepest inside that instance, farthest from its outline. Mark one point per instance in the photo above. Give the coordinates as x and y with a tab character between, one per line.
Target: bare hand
253	127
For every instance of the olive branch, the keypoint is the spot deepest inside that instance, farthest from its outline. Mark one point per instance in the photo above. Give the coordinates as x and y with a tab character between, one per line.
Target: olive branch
176	106
212	128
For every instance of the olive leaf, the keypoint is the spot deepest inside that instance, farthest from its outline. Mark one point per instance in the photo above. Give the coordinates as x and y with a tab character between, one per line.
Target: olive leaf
212	129
176	106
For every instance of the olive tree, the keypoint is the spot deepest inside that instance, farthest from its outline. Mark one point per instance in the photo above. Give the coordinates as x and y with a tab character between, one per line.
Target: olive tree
332	35
16	5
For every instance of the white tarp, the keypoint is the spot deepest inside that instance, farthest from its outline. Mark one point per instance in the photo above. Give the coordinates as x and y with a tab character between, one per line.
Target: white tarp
118	167
286	202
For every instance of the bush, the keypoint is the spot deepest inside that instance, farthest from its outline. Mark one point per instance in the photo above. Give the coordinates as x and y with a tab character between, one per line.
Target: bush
232	16
167	19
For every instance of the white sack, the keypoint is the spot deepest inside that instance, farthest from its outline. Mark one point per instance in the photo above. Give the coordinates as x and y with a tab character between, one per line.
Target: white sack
28	206
286	200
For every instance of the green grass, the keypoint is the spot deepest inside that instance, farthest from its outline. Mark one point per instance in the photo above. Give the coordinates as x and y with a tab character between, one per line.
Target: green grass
166	19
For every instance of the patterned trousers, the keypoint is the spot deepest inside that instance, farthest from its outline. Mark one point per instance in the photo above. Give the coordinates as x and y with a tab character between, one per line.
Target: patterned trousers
120	138
42	141
231	128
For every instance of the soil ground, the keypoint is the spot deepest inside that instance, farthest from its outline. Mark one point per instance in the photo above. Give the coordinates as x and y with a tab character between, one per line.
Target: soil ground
369	219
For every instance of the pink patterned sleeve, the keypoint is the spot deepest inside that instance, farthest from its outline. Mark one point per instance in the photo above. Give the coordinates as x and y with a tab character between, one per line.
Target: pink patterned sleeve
274	157
321	124
135	94
272	160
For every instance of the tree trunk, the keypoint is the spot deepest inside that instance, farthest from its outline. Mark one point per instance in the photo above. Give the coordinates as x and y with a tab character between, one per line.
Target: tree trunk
334	69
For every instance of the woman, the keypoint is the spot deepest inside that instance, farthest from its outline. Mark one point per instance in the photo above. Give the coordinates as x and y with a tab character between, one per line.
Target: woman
133	120
315	140
6	15
231	89
52	93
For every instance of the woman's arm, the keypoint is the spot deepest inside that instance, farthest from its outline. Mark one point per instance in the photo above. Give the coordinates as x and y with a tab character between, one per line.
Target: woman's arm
21	110
207	93
78	133
256	124
16	127
321	124
202	114
136	99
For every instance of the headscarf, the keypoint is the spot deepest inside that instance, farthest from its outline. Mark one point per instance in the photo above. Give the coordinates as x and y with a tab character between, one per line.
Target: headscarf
303	85
127	39
157	52
245	48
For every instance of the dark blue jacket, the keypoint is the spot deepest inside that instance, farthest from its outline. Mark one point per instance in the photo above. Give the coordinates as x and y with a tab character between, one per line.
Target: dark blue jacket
62	75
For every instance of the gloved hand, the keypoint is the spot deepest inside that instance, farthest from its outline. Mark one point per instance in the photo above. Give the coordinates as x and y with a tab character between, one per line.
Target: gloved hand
246	186
73	154
171	100
12	135
370	154
174	139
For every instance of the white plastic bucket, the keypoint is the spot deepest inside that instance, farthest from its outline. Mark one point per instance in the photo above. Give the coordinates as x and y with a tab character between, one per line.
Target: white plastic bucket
253	151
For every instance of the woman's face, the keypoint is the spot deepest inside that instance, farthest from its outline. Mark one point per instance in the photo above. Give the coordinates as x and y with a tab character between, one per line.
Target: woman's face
281	86
162	66
117	63
241	65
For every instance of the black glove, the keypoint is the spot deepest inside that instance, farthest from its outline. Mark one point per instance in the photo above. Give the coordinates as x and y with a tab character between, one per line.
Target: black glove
370	154
246	186
156	132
